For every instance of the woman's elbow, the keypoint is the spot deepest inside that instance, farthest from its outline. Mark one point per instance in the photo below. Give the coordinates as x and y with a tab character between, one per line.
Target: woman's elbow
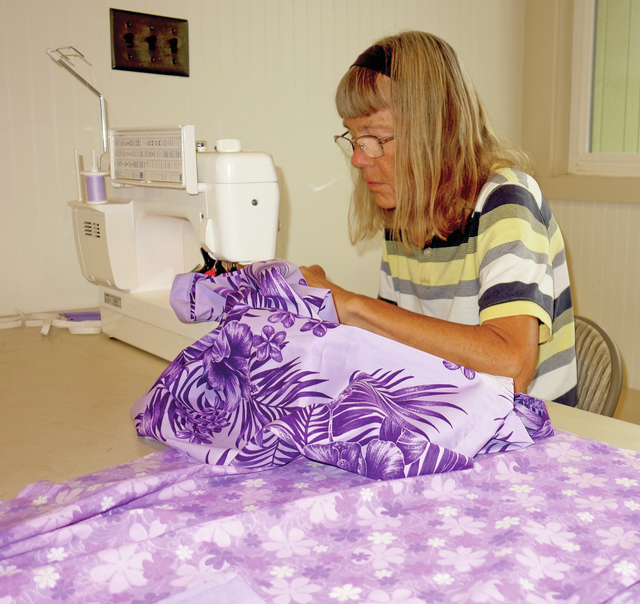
524	371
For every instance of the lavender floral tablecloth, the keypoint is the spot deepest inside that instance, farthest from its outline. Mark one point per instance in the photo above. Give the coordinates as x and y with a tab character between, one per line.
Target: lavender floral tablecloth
558	521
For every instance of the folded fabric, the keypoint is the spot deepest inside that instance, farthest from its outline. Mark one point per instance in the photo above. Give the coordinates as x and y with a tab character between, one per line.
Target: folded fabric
279	377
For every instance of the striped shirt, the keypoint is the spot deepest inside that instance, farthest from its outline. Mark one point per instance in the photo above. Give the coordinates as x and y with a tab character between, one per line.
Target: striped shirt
508	260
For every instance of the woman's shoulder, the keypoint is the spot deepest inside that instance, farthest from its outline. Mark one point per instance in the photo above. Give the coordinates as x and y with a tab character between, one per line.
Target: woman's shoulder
527	188
516	193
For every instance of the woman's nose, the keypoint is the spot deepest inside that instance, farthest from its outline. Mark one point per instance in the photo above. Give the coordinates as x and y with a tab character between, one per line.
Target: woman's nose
359	159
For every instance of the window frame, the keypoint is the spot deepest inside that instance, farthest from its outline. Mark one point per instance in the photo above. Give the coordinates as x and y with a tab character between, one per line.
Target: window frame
547	108
581	160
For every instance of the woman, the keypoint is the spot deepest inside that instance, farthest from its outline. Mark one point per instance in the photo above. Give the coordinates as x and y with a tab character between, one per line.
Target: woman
473	260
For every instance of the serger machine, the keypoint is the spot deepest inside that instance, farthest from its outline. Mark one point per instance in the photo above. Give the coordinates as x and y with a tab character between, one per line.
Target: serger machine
163	204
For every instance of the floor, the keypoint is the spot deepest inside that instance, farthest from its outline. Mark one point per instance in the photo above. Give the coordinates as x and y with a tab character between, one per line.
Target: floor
65	400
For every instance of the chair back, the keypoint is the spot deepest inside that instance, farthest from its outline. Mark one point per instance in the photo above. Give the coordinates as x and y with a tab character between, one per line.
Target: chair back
599	368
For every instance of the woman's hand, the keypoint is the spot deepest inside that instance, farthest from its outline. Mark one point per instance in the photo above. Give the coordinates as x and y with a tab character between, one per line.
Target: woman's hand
342	298
315	276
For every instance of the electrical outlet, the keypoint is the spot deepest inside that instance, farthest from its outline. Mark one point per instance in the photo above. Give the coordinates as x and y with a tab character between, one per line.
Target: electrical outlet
141	42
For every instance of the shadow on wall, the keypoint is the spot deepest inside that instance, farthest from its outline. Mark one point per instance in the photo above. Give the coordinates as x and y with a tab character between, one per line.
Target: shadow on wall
282	244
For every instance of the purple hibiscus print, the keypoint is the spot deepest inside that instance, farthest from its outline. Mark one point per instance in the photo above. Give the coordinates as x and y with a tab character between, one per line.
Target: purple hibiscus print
227	364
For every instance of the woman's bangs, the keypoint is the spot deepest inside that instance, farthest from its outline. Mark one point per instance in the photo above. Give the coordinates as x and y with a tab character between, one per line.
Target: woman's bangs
359	94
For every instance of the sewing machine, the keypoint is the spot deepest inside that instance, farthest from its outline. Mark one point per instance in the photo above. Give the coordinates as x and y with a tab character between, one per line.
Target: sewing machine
163	203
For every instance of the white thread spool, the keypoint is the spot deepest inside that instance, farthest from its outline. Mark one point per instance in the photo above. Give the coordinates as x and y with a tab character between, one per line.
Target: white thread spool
94	183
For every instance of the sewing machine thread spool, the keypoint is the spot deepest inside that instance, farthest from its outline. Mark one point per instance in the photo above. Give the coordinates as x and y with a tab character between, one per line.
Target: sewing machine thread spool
94	182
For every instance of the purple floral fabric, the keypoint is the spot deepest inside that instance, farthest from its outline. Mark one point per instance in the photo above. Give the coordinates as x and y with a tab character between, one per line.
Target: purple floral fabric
558	521
280	378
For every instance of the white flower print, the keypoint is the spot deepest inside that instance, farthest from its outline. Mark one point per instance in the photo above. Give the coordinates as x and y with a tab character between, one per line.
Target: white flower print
627	482
184	552
383	573
56	554
46	577
281	572
448	511
443	579
634	506
385	538
626	568
436	542
521	488
366	494
253	483
507	522
106	503
345	592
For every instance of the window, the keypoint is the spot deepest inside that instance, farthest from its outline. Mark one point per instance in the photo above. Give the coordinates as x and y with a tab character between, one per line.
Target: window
548	114
604	135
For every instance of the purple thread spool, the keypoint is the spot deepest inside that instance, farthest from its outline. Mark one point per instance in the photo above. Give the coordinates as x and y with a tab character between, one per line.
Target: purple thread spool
94	183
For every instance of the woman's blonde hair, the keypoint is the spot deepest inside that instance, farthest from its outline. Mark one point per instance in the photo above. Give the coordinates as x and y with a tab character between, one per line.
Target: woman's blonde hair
445	146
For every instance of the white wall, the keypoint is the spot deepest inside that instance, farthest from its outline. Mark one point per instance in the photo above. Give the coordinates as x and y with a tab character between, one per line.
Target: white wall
602	251
263	71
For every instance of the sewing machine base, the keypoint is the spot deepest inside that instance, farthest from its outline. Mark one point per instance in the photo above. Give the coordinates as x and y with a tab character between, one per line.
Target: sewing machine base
147	321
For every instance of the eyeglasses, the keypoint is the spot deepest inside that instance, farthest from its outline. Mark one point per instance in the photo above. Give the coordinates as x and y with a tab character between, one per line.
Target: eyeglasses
370	145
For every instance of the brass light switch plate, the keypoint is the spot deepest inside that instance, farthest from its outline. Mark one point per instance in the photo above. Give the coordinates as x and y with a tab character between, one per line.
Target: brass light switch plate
151	43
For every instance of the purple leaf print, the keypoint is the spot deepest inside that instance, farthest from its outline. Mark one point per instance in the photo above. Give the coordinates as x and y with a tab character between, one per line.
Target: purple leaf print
227	364
468	373
269	345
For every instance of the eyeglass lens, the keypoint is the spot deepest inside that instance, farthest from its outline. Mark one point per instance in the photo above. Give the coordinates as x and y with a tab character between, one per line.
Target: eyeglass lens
369	146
